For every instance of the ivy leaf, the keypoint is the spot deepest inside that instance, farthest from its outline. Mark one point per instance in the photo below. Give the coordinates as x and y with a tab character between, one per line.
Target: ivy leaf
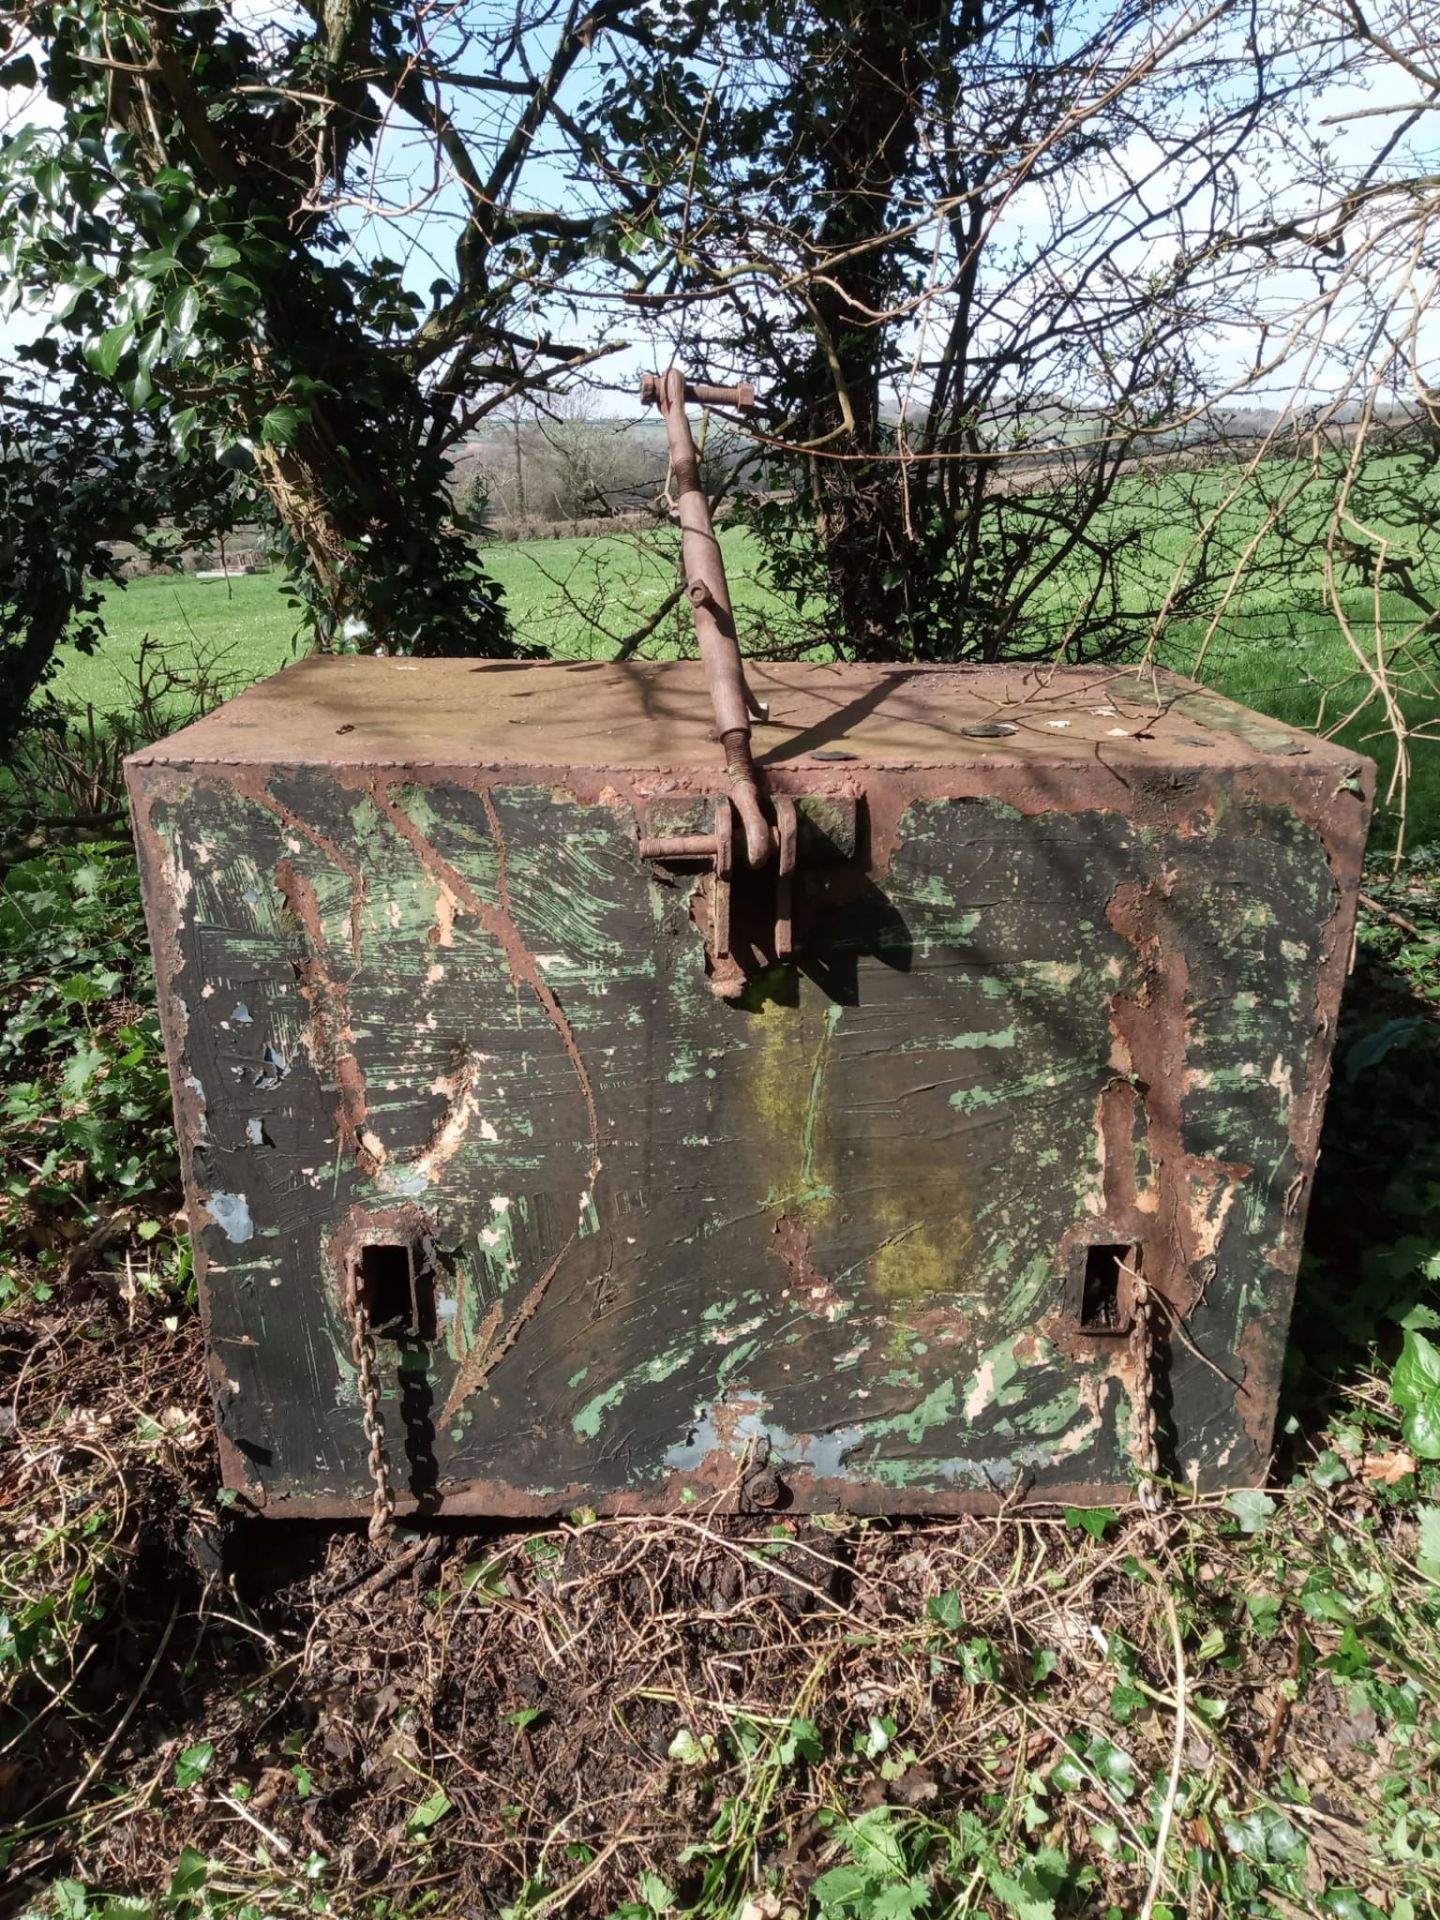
944	1610
50	180
484	1580
1113	1764
190	1874
157	263
1427	1553
1264	1610
182	310
1415	1389
75	288
1264	1835
106	353
1252	1508
979	1662
1329	1469
1092	1520
194	1763
281	424
432	1809
138	390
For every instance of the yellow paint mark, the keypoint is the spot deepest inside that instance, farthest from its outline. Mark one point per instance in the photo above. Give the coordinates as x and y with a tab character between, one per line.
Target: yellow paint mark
787	1085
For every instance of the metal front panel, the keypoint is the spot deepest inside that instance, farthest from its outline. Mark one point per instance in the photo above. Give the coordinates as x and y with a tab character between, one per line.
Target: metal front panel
827	1246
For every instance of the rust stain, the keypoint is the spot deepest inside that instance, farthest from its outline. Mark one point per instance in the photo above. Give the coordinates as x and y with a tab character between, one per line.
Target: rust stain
457	1089
1151	1029
1261	1352
490	1349
255	788
498	922
329	1036
474	1368
791	1241
714	1486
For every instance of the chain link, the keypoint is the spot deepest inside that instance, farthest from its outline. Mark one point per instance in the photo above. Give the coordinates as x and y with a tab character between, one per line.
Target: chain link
1145	1446
362	1351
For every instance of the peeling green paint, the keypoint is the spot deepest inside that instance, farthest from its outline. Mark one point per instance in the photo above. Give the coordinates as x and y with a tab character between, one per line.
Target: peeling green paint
831	1217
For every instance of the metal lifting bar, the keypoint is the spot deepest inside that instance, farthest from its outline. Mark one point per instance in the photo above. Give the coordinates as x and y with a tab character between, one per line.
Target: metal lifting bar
705	583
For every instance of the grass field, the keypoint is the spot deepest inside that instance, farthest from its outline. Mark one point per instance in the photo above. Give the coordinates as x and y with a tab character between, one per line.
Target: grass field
1278	649
573	598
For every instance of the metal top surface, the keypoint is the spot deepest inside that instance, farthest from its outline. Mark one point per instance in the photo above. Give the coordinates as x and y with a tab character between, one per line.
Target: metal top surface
464	713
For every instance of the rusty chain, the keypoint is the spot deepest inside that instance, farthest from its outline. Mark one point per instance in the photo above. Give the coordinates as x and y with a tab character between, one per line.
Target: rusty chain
1145	1446
362	1352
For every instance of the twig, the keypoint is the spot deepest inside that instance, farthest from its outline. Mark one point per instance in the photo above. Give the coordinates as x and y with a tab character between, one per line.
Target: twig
82	1257
280	1844
1177	1751
1396	919
129	1713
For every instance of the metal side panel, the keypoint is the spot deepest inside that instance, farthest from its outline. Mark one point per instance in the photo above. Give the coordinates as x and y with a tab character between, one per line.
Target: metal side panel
829	1246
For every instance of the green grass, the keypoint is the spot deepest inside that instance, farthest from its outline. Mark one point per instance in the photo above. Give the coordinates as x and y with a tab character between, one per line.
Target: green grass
576	599
1277	649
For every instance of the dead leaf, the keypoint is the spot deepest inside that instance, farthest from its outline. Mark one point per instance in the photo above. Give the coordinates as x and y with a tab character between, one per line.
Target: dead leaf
1385	1469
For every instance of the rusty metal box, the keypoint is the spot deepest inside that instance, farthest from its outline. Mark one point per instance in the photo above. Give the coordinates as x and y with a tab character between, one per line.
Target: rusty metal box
995	1186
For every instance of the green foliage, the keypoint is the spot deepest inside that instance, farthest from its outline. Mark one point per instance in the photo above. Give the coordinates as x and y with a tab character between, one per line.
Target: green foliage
1252	1509
1415	1389
219	320
84	1098
430	1811
194	1763
78	473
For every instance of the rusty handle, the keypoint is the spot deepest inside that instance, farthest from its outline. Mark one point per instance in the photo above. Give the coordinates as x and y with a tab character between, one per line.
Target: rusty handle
742	396
704	566
680	846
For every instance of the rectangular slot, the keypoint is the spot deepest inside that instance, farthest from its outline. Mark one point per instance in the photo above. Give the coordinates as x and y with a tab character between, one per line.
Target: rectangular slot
1105	1291
398	1299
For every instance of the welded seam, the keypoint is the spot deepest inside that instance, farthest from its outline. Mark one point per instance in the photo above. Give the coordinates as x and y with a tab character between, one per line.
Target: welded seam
474	1368
491	1351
